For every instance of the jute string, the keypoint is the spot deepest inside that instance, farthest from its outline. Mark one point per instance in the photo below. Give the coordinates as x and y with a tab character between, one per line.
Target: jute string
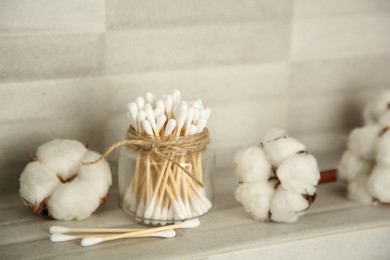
161	147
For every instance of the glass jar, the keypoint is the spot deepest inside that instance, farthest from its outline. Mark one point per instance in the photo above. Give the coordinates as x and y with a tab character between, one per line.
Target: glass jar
157	191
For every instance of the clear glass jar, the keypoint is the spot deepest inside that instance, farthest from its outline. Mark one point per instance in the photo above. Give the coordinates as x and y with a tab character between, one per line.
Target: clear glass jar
157	191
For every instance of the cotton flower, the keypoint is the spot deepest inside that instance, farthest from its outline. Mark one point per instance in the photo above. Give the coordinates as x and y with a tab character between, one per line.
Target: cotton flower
278	179
58	185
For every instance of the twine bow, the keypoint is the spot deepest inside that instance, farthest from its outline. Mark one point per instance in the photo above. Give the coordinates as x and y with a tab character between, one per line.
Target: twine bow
162	147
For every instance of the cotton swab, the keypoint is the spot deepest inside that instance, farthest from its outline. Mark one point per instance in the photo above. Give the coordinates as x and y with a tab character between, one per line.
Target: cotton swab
62	229
89	241
62	237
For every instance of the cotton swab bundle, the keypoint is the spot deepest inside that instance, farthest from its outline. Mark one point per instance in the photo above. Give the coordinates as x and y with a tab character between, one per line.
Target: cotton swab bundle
278	178
163	190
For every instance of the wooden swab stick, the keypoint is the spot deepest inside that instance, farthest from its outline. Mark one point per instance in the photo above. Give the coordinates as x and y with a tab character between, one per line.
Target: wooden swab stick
193	223
62	229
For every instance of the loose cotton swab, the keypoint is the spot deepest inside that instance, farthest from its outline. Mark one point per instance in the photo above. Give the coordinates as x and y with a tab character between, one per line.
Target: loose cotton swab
193	223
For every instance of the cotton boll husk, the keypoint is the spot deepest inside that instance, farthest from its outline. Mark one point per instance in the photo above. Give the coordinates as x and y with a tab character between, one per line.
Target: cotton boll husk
252	165
383	150
273	134
62	156
350	166
256	198
287	206
73	200
362	141
358	190
299	174
281	149
37	183
98	174
379	184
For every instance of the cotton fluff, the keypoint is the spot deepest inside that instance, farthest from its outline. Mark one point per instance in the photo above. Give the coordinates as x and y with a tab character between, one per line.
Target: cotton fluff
287	206
37	183
281	148
299	174
256	198
73	200
72	192
351	165
379	184
383	150
285	195
376	109
252	165
62	156
362	141
358	190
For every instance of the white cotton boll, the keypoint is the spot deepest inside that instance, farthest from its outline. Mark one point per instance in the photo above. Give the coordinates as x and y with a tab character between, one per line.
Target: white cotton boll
350	166
273	134
252	165
73	200
383	150
37	183
98	174
256	198
384	119
379	184
62	156
299	174
281	149
358	190
362	141
376	108
287	206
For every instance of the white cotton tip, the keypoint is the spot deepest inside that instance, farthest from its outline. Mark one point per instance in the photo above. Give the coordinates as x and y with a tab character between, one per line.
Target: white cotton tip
186	211
98	174
150	116
362	141
37	182
140	101
156	215
176	96
256	198
61	237
150	207
149	98
379	184
170	127
58	229
281	149
133	110
147	127
252	165
299	174
202	122
201	195
62	156
73	200
350	166
163	216
181	117
168	102
376	108
90	241
171	214
197	209
287	206
358	190
179	211
193	129
140	210
141	116
192	223
165	234
383	150
161	119
190	117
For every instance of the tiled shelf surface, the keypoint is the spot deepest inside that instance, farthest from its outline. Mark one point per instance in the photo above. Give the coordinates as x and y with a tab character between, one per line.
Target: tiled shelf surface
333	228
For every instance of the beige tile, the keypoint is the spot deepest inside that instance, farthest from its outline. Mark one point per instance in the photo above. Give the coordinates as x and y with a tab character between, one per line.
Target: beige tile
47	100
42	56
123	14
340	37
334	8
52	16
194	46
340	75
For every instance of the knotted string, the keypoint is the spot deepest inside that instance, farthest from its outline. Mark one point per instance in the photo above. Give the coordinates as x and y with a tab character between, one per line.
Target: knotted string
162	147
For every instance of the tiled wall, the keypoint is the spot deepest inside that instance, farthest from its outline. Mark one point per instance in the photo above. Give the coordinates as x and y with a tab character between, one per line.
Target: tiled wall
68	69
